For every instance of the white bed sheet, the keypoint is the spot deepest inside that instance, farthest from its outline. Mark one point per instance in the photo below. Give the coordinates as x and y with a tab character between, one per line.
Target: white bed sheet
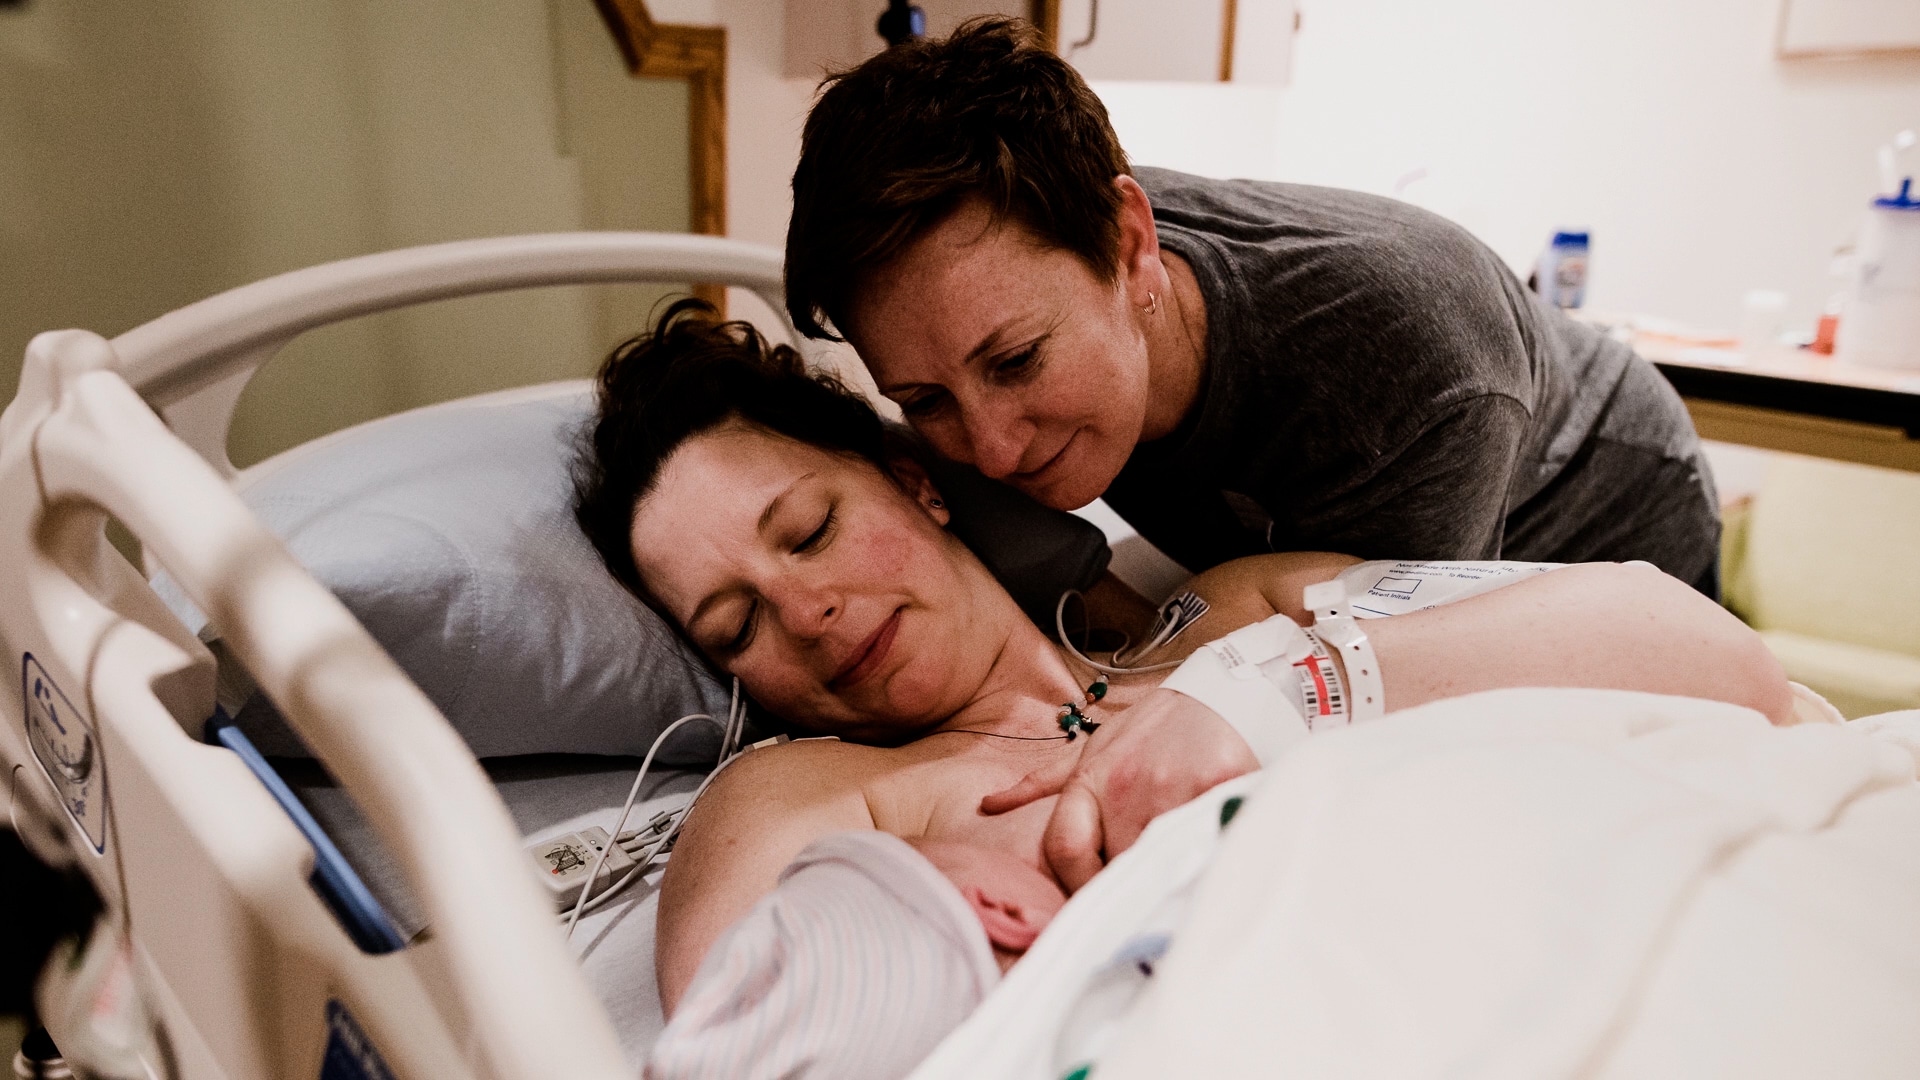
1518	883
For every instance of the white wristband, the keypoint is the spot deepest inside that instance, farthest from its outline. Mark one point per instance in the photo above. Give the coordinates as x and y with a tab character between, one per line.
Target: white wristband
1229	676
1333	622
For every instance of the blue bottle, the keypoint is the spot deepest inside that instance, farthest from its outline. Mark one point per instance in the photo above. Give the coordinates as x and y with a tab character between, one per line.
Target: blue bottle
1563	269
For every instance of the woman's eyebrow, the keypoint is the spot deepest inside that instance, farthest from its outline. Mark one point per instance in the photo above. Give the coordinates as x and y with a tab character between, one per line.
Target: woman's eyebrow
773	504
987	346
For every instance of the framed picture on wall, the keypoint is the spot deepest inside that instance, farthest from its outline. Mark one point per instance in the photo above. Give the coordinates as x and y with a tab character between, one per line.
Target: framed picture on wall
1839	28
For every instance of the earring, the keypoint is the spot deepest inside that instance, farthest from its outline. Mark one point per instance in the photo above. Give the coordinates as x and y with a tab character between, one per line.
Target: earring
937	504
1153	304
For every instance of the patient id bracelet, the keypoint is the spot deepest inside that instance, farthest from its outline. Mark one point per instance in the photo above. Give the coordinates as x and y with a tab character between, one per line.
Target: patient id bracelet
1323	697
1238	677
1333	623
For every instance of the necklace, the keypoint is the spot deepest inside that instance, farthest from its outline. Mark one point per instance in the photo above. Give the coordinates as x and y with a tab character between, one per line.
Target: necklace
1072	720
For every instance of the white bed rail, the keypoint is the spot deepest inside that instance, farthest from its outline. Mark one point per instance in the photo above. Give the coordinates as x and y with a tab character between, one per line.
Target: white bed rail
192	363
80	436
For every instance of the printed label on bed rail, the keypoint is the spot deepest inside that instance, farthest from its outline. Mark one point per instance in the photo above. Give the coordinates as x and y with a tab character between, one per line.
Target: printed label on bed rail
350	1054
64	744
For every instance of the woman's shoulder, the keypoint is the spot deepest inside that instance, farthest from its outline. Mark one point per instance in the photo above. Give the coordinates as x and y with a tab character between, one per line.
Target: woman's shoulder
1249	589
803	767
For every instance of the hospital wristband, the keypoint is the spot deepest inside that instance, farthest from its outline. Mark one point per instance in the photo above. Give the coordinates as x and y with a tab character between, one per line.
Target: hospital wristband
1333	623
1237	677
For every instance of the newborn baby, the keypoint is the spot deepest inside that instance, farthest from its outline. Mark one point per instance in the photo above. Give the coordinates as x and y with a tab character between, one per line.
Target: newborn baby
1012	900
868	953
872	949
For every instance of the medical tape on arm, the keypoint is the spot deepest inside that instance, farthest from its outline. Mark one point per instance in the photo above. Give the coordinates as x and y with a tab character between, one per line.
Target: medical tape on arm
1240	678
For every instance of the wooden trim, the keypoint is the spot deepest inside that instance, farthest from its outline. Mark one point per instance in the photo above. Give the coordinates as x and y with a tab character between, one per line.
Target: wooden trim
1795	433
1891	52
698	54
1045	16
1865	52
1227	20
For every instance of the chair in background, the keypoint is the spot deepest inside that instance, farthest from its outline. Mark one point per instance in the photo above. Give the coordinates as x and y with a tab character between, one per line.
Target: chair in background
1824	561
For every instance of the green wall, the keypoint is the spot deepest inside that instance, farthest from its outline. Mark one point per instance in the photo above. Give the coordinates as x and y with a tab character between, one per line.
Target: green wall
152	153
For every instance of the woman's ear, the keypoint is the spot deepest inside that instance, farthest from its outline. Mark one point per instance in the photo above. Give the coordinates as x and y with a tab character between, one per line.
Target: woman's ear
1141	272
913	479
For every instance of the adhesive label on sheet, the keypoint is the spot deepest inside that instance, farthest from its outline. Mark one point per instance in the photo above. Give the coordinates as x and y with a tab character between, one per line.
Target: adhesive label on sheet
1383	588
64	744
350	1054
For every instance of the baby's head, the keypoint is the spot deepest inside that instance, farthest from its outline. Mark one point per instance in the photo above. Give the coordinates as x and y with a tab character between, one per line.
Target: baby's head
1013	900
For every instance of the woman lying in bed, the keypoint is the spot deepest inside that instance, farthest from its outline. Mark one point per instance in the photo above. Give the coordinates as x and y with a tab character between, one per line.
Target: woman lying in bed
770	516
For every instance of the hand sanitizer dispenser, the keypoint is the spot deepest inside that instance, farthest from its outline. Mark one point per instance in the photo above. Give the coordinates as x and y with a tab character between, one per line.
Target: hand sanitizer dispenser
1880	325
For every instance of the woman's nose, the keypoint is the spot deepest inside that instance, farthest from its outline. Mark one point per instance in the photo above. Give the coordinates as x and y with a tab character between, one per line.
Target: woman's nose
803	607
998	434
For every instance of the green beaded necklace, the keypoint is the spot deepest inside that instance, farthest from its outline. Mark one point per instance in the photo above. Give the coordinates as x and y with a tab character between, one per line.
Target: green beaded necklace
1072	720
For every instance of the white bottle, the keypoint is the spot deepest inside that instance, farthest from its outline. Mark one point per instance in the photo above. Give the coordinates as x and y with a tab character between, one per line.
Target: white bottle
1561	276
1881	324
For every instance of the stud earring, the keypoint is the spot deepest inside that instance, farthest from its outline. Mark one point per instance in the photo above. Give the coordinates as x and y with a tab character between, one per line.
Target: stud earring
1153	304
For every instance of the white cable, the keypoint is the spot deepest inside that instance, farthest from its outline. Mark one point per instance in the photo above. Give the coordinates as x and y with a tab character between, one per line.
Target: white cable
632	796
1060	626
736	723
730	734
644	862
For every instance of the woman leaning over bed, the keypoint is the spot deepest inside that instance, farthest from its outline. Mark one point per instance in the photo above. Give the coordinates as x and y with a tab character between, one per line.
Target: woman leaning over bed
768	514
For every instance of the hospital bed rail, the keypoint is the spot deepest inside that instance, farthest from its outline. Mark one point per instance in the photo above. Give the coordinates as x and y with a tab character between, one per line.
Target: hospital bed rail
244	970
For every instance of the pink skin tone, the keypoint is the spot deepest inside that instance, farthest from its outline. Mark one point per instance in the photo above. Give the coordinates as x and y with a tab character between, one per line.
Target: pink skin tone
1013	901
1025	362
833	598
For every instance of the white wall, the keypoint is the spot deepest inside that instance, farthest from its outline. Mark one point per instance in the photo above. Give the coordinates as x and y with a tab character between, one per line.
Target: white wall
1704	166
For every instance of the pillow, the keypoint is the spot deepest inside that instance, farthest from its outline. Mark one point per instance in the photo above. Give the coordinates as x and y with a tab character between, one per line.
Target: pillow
449	533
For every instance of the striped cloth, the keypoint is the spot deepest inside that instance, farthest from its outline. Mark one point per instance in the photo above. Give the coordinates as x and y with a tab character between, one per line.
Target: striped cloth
853	968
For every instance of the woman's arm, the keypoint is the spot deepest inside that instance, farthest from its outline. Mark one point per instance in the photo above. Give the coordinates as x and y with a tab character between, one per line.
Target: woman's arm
750	824
1608	626
1613	626
1600	625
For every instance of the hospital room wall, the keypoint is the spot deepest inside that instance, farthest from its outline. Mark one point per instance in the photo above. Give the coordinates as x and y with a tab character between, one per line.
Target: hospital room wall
1704	165
152	154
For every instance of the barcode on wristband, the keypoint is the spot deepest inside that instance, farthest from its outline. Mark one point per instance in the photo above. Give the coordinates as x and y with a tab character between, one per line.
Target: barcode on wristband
1326	702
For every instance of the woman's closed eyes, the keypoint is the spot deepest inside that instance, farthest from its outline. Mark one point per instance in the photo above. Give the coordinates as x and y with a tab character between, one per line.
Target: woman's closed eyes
812	542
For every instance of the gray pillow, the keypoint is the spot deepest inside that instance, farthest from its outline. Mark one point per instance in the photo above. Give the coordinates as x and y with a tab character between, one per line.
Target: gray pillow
449	533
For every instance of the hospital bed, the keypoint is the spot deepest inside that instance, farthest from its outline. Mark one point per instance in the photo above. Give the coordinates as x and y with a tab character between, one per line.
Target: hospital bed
371	912
120	763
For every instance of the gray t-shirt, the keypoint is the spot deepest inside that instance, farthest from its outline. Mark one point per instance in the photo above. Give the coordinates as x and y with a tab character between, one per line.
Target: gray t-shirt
1379	384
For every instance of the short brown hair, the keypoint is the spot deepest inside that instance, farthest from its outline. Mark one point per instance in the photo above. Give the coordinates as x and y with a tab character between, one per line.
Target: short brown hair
895	145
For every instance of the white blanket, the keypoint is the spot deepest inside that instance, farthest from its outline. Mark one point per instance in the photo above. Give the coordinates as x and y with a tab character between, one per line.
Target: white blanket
1523	883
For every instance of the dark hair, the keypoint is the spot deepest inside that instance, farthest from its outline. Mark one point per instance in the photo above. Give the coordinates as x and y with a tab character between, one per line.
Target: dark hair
690	374
895	145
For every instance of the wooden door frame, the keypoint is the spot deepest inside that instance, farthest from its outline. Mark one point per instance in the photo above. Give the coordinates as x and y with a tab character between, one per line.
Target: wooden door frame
698	54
